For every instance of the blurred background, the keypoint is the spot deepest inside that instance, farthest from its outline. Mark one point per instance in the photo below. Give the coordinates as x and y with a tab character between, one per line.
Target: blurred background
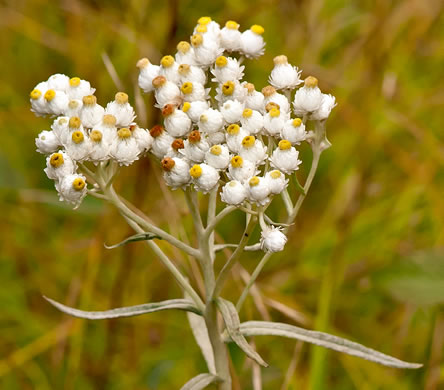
365	259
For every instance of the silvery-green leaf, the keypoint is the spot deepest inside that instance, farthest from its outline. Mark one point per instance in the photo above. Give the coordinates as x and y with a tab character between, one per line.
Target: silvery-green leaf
134	238
232	323
265	328
129	311
200	382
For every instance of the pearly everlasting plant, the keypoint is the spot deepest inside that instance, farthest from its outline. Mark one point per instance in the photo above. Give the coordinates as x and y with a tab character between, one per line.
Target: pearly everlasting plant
221	137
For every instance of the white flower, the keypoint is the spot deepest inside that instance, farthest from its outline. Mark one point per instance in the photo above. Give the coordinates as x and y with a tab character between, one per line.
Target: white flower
108	128
195	147
240	169
176	122
234	136
73	108
231	90
272	240
276	181
271	96
58	82
232	110
195	109
230	36
253	150
91	113
169	69
211	26
227	69
193	91
60	127
204	177
258	190
206	49
323	112
176	172
64	130
274	122
233	193
161	141
78	145
252	121
72	189
78	88
39	105
165	91
185	54
148	72
100	146
285	157
174	150
191	73
211	121
143	138
218	156
57	101
308	98
252	42
216	138
121	109
254	99
294	131
47	142
125	149
59	165
283	74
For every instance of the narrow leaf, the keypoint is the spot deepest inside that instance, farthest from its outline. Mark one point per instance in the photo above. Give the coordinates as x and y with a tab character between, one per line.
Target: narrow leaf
200	382
129	311
265	328
134	238
298	185
232	323
200	333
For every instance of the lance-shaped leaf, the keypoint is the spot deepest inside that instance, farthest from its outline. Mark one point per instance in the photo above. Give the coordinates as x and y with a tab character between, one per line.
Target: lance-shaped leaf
265	328
232	323
129	311
200	382
134	238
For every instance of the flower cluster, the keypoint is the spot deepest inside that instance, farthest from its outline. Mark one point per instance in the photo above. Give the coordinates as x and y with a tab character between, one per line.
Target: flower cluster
218	129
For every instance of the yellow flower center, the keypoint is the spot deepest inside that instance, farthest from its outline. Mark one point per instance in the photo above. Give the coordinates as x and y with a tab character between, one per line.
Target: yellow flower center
257	29
74	122
233	129
274	112
74	81
124	133
77	137
49	95
56	160
203	118
204	20
89	100
121	98
228	88
201	29
73	104
183	47
78	184
247	113
279	60
254	181
237	162
250	87
284	144
221	61
216	150
196	40
187	88
184	69
196	171
271	105
96	135
248	141
186	106
35	94
109	120
232	25
167	61
275	174
297	122
311	82
143	63
62	121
